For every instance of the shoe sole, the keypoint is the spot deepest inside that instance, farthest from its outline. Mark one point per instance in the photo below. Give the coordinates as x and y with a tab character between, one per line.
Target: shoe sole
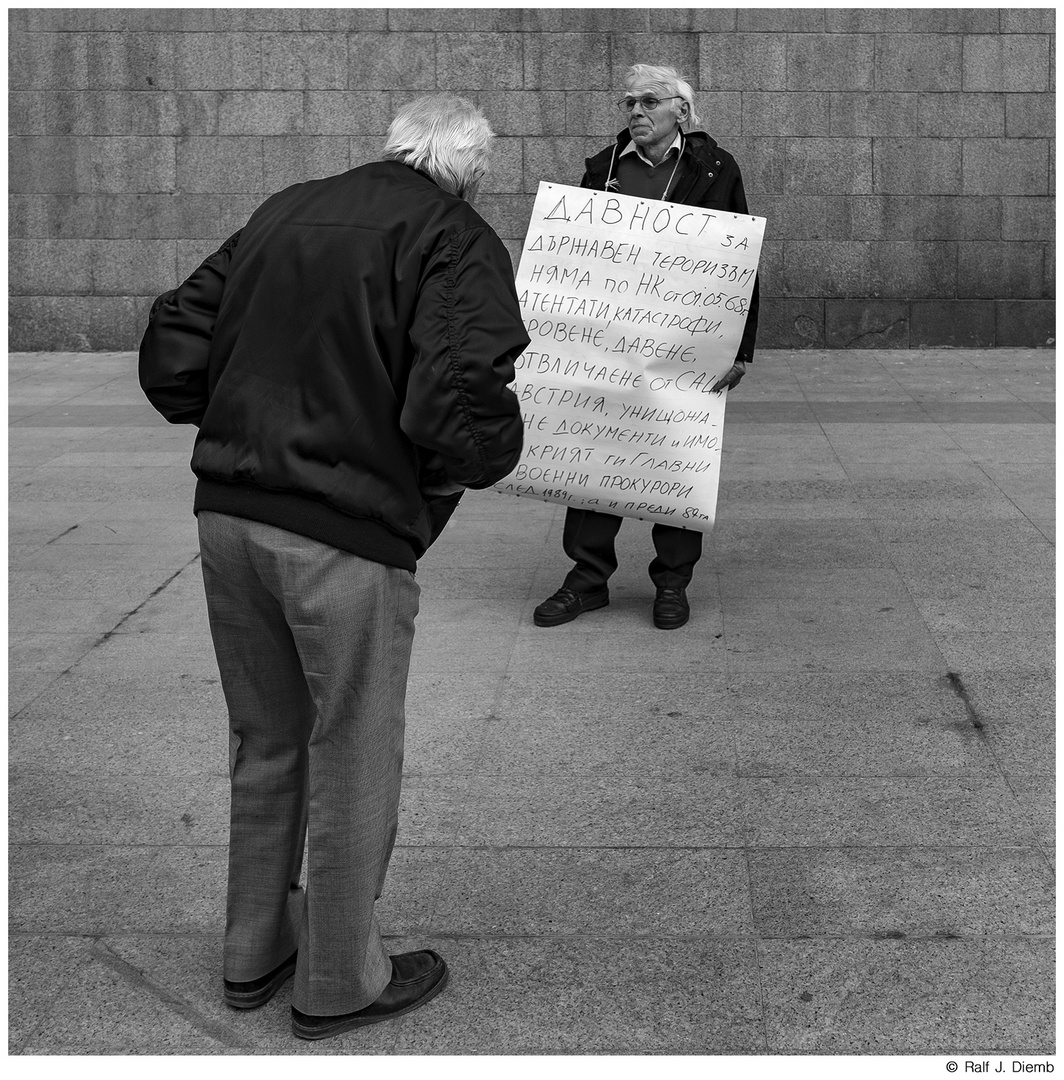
357	1022
261	996
672	624
568	616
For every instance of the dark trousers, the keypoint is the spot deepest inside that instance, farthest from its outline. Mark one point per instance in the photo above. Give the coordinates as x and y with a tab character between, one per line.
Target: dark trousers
588	539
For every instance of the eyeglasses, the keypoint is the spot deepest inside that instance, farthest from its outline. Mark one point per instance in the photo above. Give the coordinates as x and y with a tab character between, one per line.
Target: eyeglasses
627	104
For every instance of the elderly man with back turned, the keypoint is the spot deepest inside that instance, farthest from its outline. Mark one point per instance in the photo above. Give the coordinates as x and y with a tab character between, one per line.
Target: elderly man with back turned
346	357
653	158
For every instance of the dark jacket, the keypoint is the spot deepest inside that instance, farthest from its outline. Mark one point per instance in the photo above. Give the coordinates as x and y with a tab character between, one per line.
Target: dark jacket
347	350
707	176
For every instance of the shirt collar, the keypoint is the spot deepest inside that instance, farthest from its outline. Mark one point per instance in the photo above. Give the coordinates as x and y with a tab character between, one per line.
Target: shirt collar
633	148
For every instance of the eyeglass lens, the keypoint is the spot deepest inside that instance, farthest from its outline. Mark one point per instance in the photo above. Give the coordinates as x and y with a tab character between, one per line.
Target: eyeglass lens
648	103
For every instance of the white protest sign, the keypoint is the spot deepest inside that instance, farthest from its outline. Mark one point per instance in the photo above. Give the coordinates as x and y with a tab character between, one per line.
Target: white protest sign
635	308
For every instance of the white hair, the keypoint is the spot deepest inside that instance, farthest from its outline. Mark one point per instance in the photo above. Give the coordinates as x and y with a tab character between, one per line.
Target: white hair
446	137
666	79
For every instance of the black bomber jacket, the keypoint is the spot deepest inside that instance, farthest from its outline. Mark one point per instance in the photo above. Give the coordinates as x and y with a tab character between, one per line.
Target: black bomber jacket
707	176
347	358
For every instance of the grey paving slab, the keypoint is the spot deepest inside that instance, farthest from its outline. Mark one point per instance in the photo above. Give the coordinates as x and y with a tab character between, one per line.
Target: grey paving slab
65	414
622	696
129	483
119	1000
773	543
475	553
109	888
58	558
445	651
123	588
895	699
911	892
1018	719
1030	486
55	652
432	808
1036	795
792	500
894	443
96	808
882	812
1007	443
805	442
888	613
188	652
842	747
1047	527
908	997
737	470
144	532
561	811
1016	651
454	695
984	412
51	517
77	615
33	447
589	996
768	407
441	582
978	614
1014	540
441	616
742	585
1011	697
158	724
38	966
535	892
440	744
595	742
935	577
24	687
938	506
573	651
881	651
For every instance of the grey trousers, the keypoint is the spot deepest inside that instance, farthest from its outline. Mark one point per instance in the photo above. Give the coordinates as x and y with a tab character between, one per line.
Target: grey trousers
313	648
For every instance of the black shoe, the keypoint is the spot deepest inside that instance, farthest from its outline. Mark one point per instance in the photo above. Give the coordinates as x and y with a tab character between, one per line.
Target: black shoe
250	995
565	605
671	609
417	977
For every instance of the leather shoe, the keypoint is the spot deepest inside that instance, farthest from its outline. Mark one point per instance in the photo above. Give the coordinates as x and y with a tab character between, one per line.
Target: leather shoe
565	605
671	609
417	977
250	995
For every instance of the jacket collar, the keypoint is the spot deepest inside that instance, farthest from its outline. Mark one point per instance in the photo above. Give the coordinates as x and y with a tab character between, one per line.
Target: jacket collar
697	146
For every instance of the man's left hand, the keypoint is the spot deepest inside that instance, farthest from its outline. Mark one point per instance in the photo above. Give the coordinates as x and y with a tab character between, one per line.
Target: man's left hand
730	379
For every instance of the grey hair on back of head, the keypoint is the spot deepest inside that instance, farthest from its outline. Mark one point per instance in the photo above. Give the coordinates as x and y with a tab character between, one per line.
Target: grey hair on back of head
444	136
668	79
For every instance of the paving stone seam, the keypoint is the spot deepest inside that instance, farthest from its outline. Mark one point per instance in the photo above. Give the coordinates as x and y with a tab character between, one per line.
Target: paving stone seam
107	635
136	978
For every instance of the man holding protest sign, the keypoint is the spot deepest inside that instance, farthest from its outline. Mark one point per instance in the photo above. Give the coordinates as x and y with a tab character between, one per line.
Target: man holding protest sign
653	158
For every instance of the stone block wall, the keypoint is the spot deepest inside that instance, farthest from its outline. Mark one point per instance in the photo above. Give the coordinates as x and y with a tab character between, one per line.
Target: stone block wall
903	158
